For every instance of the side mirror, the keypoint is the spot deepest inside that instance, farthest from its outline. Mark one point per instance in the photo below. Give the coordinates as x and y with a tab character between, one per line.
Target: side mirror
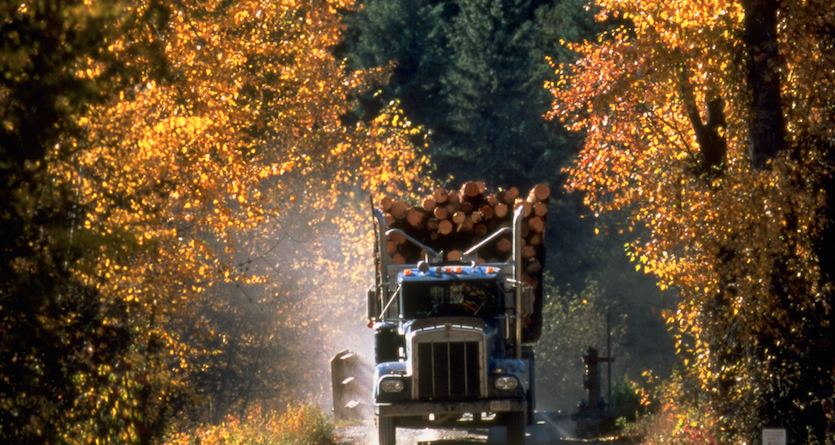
372	304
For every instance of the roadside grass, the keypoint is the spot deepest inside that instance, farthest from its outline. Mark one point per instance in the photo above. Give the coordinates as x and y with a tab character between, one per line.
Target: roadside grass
650	429
298	424
663	412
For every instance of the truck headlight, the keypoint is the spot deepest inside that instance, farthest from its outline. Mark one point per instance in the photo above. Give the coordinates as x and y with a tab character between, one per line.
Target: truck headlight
391	385
506	383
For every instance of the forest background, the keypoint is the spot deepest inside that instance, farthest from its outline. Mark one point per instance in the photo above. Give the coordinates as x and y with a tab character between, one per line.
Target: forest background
185	228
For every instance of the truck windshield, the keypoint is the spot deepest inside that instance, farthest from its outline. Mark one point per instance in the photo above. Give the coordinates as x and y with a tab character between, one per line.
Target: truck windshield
422	299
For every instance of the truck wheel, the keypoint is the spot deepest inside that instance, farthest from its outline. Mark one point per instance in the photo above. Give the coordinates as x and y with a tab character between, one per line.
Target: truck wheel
386	431
515	428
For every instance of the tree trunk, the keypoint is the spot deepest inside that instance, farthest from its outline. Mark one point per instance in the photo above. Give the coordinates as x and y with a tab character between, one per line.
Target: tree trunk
766	127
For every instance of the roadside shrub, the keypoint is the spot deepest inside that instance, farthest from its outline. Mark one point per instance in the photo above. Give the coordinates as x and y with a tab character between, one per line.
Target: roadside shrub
628	400
298	424
671	413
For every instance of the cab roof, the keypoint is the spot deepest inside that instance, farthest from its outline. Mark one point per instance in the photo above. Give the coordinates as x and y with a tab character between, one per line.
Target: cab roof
448	272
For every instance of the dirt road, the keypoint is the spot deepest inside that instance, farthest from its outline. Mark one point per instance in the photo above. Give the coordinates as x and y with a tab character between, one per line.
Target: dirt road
545	431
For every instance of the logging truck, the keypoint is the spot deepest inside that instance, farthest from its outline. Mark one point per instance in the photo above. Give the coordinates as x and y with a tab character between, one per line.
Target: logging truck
455	309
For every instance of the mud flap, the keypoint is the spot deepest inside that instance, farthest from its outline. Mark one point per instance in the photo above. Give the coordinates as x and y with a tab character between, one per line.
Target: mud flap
386	431
516	428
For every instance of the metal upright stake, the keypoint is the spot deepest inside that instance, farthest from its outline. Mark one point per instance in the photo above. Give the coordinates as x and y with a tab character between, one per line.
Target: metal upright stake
609	363
517	275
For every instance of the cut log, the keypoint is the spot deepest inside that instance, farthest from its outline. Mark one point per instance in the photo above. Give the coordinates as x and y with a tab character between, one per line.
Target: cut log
504	245
398	259
415	217
470	190
525	205
465	227
432	224
510	195
540	209
492	200
389	219
536	224
429	204
391	247
466	207
500	196
385	204
397	238
486	211
398	210
445	227
453	255
535	239
454	198
441	196
528	251
459	217
532	266
480	229
476	217
539	192
451	208
500	211
441	213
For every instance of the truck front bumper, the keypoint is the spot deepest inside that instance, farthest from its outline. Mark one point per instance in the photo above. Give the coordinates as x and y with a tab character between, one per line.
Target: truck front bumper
448	407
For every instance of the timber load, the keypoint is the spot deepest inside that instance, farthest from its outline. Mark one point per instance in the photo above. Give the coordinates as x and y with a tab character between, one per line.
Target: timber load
451	221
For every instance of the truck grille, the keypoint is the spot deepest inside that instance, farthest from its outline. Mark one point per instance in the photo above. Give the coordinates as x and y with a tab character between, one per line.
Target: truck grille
448	370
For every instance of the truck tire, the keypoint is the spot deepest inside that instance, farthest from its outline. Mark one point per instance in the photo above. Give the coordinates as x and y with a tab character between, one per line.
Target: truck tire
515	428
386	431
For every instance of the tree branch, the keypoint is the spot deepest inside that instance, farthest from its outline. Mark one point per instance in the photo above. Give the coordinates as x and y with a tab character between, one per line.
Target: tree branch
713	146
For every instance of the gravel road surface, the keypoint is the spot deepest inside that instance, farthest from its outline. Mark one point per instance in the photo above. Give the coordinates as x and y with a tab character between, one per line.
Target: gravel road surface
547	430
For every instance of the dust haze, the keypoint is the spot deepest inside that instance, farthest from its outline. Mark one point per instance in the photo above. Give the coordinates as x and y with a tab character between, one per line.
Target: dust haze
313	306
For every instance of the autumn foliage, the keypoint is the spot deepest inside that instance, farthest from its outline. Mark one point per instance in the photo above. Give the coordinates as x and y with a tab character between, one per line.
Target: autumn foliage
137	221
710	123
294	425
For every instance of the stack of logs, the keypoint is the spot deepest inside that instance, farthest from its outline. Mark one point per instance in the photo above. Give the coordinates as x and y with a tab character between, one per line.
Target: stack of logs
454	221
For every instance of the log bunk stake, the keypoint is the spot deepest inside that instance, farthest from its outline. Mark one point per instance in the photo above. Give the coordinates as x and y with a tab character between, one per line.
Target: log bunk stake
454	220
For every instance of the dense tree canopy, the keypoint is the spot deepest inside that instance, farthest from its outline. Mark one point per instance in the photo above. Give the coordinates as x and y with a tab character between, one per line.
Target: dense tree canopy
712	125
470	73
163	140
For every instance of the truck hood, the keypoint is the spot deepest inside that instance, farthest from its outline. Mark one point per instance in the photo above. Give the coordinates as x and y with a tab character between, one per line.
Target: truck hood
433	323
456	327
